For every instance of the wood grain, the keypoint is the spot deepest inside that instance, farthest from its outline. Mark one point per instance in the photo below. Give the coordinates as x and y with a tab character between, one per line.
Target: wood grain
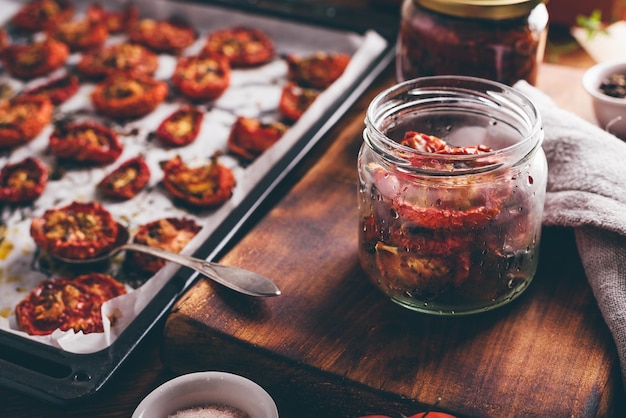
332	345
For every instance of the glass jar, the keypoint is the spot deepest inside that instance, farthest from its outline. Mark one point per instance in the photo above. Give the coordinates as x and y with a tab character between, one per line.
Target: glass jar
454	230
500	40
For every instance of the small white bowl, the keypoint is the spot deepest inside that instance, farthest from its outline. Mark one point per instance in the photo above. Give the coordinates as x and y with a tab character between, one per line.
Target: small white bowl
610	111
207	388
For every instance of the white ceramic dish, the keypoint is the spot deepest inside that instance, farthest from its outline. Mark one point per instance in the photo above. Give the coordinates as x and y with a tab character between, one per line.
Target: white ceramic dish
206	388
610	111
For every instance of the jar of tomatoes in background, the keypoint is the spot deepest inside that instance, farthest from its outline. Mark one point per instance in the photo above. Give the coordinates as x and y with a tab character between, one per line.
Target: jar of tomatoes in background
452	186
500	40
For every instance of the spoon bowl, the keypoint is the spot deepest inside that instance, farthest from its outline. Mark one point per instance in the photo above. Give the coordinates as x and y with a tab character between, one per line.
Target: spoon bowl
238	279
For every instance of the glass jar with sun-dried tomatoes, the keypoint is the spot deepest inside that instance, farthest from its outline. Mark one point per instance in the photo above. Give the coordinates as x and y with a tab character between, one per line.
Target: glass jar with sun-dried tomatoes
452	187
500	40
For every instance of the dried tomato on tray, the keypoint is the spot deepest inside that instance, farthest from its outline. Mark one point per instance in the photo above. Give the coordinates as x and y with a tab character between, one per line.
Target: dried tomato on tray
122	57
36	59
201	77
23	181
295	100
317	71
78	230
207	185
58	90
126	180
88	142
39	15
23	118
169	37
243	46
170	234
80	35
250	137
116	21
67	303
127	95
181	127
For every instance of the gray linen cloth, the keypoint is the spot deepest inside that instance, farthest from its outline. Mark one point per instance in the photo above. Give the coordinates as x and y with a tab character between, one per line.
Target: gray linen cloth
587	191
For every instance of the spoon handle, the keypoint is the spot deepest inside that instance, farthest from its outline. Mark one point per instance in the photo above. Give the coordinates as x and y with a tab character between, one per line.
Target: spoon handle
235	278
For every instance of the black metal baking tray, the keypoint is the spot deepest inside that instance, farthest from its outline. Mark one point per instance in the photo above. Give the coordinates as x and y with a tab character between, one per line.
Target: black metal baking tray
62	377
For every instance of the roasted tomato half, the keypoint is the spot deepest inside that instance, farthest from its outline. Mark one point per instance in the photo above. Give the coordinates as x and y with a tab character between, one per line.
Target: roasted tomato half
295	100
123	57
57	90
116	21
250	137
181	127
36	59
87	142
78	230
23	181
169	37
64	303
80	35
170	234
126	180
5	41
200	78
23	118
42	14
205	186
319	70
243	46
125	95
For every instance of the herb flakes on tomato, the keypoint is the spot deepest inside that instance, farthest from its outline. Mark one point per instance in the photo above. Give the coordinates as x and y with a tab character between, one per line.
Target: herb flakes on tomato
87	142
250	137
65	303
125	181
80	35
201	77
36	59
78	230
23	181
208	185
118	58
242	46
166	36
181	127
23	118
126	95
170	234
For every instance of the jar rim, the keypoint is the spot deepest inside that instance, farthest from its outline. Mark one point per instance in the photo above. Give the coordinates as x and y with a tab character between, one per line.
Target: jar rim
401	155
483	9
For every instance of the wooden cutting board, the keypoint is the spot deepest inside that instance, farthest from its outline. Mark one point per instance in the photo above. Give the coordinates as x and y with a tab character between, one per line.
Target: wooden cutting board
333	346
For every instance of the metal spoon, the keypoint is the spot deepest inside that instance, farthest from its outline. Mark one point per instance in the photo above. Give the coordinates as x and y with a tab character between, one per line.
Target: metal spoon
240	280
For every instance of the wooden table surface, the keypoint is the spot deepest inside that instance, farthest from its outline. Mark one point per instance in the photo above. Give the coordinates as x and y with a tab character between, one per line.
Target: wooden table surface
547	354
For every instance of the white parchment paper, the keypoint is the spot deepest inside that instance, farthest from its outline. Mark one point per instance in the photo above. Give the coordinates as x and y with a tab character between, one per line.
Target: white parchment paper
253	93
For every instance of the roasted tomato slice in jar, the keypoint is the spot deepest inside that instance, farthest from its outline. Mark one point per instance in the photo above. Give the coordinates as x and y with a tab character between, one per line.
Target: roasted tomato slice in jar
58	90
123	57
181	127
295	100
243	46
23	181
23	118
35	59
249	137
116	21
126	180
80	35
126	95
319	70
170	234
42	14
169	37
78	230
87	142
65	304
208	185
202	78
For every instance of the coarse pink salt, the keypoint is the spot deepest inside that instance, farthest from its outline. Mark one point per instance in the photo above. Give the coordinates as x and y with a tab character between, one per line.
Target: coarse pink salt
210	411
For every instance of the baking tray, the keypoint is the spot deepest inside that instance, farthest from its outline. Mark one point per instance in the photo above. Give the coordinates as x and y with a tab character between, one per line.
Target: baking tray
61	377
